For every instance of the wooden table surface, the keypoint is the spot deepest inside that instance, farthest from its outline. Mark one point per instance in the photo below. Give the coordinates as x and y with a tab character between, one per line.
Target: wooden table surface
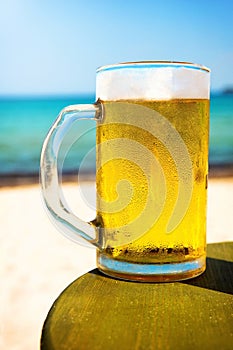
98	312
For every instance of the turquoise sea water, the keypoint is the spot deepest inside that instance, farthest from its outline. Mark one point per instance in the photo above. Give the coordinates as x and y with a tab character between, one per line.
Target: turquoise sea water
24	124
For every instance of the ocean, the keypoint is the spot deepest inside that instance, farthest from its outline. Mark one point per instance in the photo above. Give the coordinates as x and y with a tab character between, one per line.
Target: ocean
26	121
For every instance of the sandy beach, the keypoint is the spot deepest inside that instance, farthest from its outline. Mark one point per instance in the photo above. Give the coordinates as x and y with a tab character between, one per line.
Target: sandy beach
37	262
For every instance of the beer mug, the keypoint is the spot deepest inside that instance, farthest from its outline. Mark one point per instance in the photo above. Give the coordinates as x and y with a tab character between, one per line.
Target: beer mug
152	127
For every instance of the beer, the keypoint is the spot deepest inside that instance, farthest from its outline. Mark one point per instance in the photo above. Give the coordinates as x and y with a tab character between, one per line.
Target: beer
151	170
134	162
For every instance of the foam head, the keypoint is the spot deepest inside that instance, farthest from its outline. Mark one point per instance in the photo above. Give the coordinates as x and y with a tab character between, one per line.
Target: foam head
152	81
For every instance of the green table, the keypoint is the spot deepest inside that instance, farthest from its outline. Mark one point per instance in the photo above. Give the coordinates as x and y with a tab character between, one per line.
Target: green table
98	312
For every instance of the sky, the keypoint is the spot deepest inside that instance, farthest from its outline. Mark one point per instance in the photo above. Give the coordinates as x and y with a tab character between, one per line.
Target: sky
53	47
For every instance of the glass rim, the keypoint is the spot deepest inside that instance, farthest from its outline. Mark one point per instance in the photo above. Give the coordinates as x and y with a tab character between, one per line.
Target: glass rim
153	64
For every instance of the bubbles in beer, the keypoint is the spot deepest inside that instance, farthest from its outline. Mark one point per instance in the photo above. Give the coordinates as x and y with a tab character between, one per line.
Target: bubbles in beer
149	185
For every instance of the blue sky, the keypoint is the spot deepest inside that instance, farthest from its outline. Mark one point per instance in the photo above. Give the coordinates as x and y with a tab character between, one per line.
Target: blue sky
54	46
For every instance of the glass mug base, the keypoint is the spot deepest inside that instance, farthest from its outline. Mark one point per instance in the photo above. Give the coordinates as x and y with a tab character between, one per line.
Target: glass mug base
151	272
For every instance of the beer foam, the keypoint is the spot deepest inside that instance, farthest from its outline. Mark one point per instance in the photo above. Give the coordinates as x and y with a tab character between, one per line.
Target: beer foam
152	81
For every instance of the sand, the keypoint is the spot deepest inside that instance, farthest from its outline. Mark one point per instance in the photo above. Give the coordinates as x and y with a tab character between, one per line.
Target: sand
37	262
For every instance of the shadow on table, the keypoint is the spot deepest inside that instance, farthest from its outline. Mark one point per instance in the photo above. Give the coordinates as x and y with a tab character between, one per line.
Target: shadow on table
218	276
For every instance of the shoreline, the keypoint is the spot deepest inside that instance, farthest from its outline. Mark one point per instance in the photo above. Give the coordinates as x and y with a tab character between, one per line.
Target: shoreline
222	171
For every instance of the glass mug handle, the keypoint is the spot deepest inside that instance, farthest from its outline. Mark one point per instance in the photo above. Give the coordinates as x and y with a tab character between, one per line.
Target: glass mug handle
70	225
